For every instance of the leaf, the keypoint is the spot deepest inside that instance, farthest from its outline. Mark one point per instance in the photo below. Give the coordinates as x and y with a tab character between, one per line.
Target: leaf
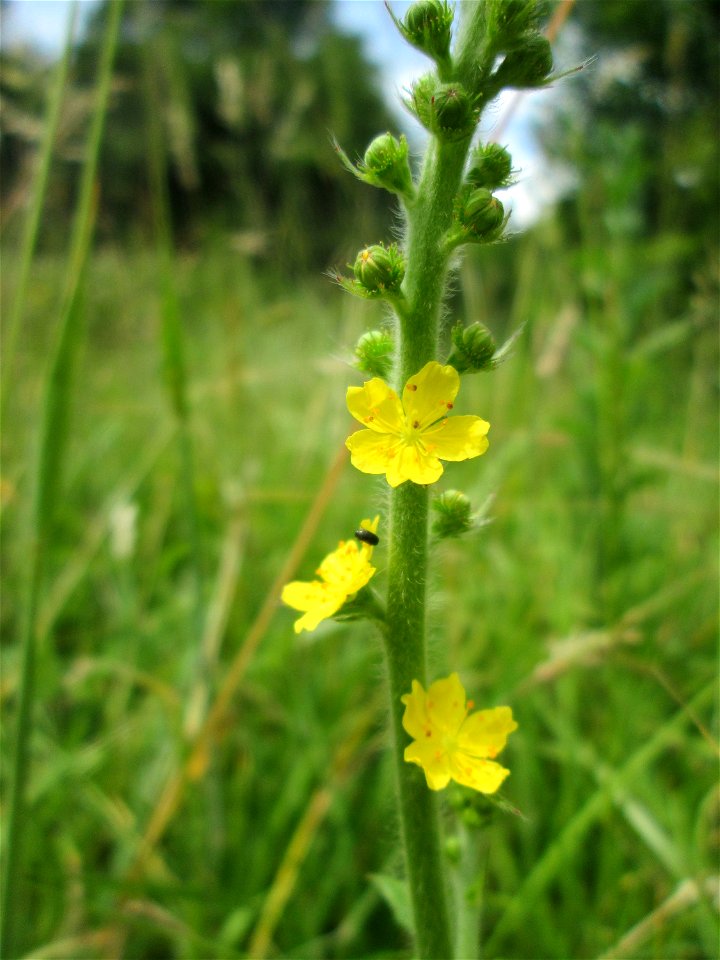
397	896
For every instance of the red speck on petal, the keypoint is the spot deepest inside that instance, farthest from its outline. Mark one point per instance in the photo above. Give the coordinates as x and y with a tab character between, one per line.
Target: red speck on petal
412	386
449	405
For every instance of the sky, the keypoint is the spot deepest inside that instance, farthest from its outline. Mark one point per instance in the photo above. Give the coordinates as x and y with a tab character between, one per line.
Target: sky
43	23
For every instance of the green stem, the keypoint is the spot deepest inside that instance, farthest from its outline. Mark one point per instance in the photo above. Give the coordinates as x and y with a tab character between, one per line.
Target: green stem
46	489
424	286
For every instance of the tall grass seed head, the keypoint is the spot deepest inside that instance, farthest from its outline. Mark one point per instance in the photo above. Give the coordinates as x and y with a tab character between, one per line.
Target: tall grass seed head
374	353
428	26
490	167
379	268
526	67
386	164
473	348
453	516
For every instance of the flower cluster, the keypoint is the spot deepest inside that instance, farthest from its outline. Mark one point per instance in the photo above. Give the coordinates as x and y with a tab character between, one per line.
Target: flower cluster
449	742
342	573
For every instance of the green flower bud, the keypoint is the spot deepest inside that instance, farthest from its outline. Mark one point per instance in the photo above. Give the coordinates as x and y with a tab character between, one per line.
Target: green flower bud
453	514
445	109
427	26
510	21
479	214
490	167
374	353
386	164
526	67
380	269
473	348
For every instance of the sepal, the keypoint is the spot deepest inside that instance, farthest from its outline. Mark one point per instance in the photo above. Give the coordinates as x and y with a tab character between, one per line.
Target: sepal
427	25
490	167
374	353
479	217
527	67
444	109
365	605
385	165
473	348
453	514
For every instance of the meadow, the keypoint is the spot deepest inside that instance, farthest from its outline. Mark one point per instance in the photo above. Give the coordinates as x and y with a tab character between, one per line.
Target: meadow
203	783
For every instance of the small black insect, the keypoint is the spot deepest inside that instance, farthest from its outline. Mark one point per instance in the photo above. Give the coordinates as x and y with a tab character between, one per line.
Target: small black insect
367	536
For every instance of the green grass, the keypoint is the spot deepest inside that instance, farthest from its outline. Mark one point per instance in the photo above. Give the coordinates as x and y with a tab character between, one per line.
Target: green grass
588	605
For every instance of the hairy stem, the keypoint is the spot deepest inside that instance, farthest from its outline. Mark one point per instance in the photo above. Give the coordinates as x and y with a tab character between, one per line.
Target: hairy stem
405	638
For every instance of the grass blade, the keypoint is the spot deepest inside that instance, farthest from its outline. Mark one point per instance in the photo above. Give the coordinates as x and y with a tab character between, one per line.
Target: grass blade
51	447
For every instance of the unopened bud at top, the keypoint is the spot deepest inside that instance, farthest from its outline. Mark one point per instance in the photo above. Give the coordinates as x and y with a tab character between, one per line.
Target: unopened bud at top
380	269
428	26
528	66
490	167
374	353
473	348
386	164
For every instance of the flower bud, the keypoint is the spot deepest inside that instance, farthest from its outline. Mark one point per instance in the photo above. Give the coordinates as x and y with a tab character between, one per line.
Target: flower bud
386	164
453	514
473	348
380	269
528	66
445	109
427	26
479	213
510	21
374	353
490	167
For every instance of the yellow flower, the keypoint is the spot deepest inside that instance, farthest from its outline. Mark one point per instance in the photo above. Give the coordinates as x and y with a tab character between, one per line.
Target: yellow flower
407	440
342	573
450	745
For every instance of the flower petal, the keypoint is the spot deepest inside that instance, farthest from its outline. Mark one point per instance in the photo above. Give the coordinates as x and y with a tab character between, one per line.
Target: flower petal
433	761
485	733
372	452
445	704
376	406
430	394
415	719
482	775
318	600
411	462
346	569
457	438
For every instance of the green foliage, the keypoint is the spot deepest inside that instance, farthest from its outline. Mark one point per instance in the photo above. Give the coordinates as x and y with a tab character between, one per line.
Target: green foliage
590	603
246	105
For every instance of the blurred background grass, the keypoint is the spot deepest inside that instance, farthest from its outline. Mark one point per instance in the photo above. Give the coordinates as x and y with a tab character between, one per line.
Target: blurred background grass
201	782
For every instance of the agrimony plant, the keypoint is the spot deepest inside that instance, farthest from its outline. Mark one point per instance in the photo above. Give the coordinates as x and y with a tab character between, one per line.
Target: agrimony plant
408	428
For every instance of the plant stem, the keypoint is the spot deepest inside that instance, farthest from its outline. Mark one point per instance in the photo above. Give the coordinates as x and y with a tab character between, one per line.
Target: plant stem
405	637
